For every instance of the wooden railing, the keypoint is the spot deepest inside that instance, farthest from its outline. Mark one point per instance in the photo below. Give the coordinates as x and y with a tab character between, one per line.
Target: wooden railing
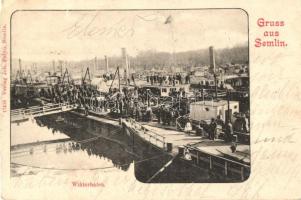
41	110
147	134
229	168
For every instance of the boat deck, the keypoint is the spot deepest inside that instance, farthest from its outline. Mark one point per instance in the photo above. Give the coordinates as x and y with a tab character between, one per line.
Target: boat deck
215	147
222	149
97	118
178	139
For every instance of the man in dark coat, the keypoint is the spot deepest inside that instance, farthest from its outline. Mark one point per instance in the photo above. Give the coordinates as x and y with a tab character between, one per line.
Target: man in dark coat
228	132
212	129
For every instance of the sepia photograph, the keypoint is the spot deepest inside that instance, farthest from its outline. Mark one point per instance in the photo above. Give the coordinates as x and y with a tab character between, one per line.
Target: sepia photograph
160	95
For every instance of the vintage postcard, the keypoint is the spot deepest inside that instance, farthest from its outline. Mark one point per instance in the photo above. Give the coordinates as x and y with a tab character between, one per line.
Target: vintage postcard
115	100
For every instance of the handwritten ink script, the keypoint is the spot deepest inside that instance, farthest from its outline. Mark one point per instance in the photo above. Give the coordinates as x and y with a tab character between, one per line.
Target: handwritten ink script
284	139
88	26
270	37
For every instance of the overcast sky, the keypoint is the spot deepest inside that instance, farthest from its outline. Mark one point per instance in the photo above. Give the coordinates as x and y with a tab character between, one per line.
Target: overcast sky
78	35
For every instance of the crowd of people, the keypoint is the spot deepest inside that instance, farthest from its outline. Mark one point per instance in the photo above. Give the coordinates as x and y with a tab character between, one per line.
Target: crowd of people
69	93
142	106
170	79
134	103
217	128
108	76
167	115
126	103
137	104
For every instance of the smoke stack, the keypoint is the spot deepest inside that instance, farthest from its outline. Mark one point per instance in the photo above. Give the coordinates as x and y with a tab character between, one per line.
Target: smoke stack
125	64
107	64
20	65
212	59
95	65
53	65
61	67
129	63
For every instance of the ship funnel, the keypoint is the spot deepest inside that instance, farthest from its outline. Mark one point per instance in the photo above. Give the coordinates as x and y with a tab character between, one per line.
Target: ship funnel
125	64
212	59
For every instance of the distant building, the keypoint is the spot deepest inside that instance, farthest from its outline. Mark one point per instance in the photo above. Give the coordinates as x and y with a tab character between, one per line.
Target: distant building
165	89
53	79
230	69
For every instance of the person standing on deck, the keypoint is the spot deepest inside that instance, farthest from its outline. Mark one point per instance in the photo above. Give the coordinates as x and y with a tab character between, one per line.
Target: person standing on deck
138	115
212	129
188	126
161	80
158	114
175	116
245	125
120	107
134	111
220	122
170	80
163	114
168	116
149	113
229	132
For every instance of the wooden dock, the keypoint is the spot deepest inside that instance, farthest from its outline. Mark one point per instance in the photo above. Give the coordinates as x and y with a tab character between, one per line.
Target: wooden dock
177	138
194	149
215	155
37	111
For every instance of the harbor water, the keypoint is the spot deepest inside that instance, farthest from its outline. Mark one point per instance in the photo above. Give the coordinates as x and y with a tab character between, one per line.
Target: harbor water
68	143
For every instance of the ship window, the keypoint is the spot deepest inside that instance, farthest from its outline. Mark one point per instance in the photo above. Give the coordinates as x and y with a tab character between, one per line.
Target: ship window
164	90
235	107
207	109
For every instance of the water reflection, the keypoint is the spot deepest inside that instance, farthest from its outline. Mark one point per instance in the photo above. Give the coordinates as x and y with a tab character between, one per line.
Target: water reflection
86	133
69	142
84	149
